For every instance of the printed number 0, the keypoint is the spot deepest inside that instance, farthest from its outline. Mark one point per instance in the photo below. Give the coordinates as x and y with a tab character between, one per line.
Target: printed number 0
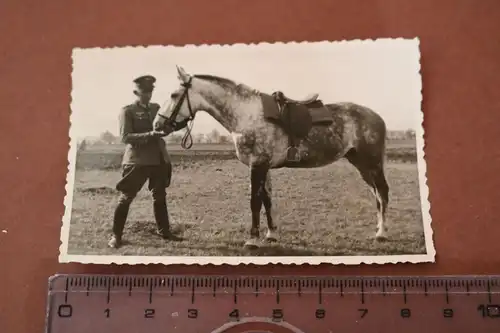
65	311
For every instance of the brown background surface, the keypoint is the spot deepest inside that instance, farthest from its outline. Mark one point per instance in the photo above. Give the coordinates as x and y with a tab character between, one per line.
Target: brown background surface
460	67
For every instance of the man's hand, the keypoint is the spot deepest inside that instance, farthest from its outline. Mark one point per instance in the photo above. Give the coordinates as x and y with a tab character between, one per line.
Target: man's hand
168	129
158	134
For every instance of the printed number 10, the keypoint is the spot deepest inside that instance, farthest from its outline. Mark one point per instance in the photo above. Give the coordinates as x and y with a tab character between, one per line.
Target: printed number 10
489	310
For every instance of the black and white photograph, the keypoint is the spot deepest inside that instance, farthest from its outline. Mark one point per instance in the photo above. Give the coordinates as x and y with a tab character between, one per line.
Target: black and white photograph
293	153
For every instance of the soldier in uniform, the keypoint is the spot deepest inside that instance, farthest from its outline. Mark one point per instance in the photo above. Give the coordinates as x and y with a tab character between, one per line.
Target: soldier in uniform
145	159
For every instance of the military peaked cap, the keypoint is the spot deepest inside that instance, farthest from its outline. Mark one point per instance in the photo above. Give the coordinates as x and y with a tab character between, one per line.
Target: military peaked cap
145	82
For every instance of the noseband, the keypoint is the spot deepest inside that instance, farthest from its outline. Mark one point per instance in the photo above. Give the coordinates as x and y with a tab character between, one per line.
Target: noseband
179	125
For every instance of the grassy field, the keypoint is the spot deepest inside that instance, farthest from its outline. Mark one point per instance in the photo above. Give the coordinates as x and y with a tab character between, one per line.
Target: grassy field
324	211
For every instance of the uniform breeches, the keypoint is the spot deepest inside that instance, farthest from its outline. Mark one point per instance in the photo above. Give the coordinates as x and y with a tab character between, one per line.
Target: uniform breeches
133	179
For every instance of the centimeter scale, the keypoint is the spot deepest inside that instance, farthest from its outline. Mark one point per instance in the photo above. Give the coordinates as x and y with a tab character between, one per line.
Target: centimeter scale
260	304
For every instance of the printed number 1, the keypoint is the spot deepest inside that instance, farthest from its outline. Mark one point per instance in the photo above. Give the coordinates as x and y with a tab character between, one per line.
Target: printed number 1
235	314
107	312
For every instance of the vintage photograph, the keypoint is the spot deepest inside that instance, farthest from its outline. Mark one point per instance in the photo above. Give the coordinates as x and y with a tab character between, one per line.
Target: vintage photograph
293	153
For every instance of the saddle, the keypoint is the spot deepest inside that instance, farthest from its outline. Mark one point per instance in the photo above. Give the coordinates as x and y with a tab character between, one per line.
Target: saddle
295	117
311	98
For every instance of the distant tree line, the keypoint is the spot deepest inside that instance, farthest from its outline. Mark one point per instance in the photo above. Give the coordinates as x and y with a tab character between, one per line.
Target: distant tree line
409	134
108	138
213	137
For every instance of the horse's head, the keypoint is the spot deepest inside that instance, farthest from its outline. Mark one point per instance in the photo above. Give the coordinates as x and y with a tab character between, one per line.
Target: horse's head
183	104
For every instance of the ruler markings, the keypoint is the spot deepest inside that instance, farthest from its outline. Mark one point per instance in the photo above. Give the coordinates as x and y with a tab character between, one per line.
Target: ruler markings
150	298
66	292
447	296
404	292
235	294
277	293
192	293
489	291
320	294
362	293
91	285
483	287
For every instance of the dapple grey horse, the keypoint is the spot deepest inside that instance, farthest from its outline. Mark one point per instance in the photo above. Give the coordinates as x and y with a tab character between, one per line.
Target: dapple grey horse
356	133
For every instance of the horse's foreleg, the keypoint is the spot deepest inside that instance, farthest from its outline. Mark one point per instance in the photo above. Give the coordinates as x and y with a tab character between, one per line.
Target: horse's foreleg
271	235
257	183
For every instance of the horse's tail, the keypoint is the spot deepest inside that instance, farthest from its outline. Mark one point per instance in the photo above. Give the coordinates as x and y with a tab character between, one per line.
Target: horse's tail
383	159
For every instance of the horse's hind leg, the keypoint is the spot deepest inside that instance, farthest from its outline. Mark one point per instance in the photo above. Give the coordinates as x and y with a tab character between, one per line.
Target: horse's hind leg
270	210
382	197
372	173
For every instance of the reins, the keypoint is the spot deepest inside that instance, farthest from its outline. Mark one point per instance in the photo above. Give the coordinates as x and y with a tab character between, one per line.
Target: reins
186	136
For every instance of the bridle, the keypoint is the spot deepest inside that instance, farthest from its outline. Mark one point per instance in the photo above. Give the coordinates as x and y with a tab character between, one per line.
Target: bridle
179	125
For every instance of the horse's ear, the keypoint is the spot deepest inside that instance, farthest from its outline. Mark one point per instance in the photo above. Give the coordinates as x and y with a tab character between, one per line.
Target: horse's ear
181	74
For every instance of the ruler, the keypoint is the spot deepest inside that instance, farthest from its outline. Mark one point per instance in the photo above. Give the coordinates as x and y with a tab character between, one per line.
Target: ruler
261	304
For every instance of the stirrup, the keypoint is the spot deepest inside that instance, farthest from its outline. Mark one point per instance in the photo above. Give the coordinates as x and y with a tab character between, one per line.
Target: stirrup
292	154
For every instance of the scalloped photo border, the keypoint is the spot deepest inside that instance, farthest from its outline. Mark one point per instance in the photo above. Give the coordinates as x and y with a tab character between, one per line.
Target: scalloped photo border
64	257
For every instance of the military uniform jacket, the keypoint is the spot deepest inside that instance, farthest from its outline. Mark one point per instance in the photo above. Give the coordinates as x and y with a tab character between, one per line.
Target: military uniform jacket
141	148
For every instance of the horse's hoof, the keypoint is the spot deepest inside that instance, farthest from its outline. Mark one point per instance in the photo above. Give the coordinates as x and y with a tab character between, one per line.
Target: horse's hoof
251	244
271	236
114	243
381	238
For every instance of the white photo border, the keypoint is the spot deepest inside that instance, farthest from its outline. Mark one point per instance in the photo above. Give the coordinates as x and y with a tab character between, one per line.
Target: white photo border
429	257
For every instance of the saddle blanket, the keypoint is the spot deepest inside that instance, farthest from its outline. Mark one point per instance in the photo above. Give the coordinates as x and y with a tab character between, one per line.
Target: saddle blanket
296	119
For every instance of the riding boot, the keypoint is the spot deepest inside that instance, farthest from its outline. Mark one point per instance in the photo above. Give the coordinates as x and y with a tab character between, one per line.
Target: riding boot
119	219
162	220
161	216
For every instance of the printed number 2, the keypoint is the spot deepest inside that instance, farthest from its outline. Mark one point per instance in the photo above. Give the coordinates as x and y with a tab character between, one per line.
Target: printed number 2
149	313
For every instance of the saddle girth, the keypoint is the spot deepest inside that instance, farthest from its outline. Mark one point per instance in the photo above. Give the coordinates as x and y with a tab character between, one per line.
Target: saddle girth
295	117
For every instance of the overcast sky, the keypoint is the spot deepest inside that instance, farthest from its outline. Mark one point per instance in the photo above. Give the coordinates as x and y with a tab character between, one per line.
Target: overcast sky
382	75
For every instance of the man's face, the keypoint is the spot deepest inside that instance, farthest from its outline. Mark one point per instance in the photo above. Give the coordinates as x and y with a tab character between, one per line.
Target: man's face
144	96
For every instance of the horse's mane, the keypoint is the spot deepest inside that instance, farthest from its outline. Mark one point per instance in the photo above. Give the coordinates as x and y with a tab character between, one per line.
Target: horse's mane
240	89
